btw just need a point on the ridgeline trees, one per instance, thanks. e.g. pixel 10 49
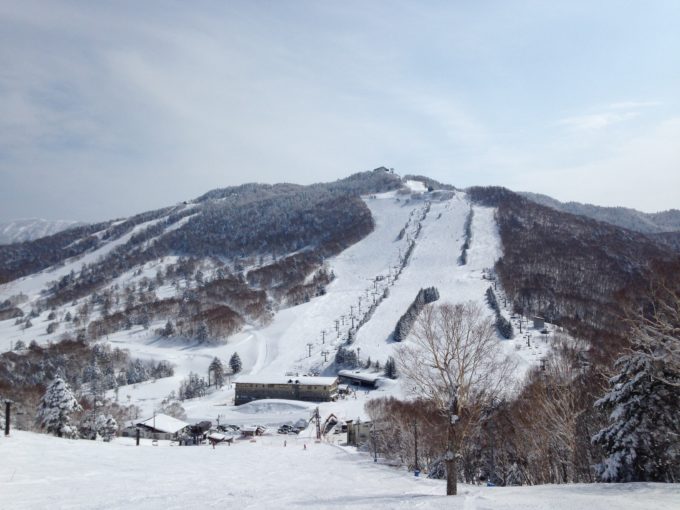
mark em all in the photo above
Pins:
pixel 406 321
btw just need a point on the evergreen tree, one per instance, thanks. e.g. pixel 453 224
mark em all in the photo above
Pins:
pixel 106 426
pixel 193 386
pixel 168 329
pixel 202 333
pixel 235 363
pixel 642 440
pixel 405 323
pixel 346 358
pixel 55 409
pixel 391 368
pixel 217 370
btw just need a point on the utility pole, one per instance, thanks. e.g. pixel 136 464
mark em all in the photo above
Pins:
pixel 8 412
pixel 323 336
pixel 309 347
pixel 318 423
pixel 325 356
pixel 375 446
pixel 416 469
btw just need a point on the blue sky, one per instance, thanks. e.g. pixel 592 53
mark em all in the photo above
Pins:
pixel 110 109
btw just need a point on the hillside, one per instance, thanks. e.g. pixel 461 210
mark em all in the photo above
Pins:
pixel 646 223
pixel 18 231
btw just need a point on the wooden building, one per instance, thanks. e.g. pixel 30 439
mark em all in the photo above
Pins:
pixel 159 426
pixel 356 378
pixel 311 389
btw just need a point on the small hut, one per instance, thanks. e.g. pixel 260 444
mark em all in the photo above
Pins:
pixel 539 322
pixel 162 426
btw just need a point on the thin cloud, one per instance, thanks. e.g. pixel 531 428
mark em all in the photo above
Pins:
pixel 597 121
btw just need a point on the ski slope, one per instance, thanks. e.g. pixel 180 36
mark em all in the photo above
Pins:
pixel 41 472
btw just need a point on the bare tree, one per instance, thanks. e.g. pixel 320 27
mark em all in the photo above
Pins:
pixel 454 362
pixel 655 333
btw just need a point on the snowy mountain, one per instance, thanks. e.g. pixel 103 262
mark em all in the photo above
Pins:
pixel 647 223
pixel 28 229
pixel 311 280
pixel 286 274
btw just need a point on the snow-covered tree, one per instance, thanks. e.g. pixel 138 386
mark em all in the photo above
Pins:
pixel 346 358
pixel 106 426
pixel 217 370
pixel 642 440
pixel 168 329
pixel 235 363
pixel 202 333
pixel 56 408
pixel 193 386
pixel 391 368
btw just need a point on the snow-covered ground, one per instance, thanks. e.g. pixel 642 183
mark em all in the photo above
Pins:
pixel 40 471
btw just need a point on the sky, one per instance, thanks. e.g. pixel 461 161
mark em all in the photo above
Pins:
pixel 112 108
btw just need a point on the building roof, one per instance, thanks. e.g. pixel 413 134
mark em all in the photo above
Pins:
pixel 303 381
pixel 253 428
pixel 360 376
pixel 164 423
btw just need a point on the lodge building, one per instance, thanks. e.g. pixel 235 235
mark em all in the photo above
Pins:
pixel 311 389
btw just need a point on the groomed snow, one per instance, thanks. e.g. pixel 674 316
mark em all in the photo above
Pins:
pixel 40 471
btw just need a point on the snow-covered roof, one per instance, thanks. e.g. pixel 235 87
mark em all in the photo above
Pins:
pixel 164 423
pixel 253 428
pixel 304 380
pixel 360 376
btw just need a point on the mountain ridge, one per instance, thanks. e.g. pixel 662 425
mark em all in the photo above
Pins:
pixel 625 217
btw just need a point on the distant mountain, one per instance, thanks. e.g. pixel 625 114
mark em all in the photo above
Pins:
pixel 18 231
pixel 646 223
